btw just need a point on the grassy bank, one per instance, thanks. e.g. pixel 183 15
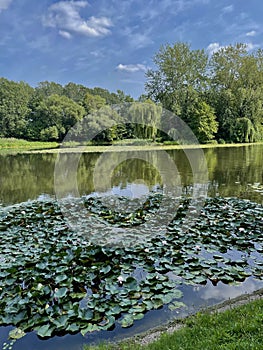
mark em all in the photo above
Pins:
pixel 14 144
pixel 23 146
pixel 238 328
pixel 148 147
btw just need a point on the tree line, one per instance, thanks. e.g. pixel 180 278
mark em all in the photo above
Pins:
pixel 48 111
pixel 220 97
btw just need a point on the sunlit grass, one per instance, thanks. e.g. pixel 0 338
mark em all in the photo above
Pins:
pixel 13 143
pixel 240 328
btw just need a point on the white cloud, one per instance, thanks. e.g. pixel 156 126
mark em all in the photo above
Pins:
pixel 228 9
pixel 213 47
pixel 65 34
pixel 251 33
pixel 131 68
pixel 65 16
pixel 4 4
pixel 251 46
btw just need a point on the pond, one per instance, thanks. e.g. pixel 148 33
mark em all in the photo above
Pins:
pixel 232 172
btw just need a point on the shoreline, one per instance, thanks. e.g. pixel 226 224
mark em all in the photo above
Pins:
pixel 155 333
pixel 121 148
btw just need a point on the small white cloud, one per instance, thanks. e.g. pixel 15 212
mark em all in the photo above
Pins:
pixel 97 53
pixel 251 46
pixel 65 16
pixel 65 34
pixel 4 4
pixel 131 68
pixel 228 9
pixel 213 47
pixel 251 33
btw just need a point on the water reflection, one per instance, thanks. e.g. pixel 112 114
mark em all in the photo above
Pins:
pixel 195 298
pixel 231 170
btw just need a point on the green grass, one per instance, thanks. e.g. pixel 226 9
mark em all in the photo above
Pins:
pixel 240 328
pixel 12 143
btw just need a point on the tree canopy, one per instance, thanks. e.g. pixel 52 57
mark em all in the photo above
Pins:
pixel 223 91
pixel 219 96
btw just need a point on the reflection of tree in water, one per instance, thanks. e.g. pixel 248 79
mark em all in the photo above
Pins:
pixel 233 169
pixel 135 170
pixel 26 176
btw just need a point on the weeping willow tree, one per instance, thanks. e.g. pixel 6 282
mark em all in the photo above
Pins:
pixel 146 119
pixel 244 130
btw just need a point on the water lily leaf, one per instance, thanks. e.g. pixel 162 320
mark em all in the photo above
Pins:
pixel 157 303
pixel 88 329
pixel 60 293
pixel 127 321
pixel 176 305
pixel 72 328
pixel 60 278
pixel 16 333
pixel 105 269
pixel 45 331
pixel 138 316
pixel 200 279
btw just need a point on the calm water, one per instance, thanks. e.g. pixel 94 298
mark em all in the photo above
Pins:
pixel 231 172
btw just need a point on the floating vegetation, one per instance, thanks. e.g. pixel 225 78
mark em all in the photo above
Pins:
pixel 56 280
pixel 256 187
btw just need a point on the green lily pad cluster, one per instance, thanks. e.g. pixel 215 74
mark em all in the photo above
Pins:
pixel 137 216
pixel 54 280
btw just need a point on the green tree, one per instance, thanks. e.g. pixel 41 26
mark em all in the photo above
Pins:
pixel 203 121
pixel 46 89
pixel 75 92
pixel 49 134
pixel 146 118
pixel 101 125
pixel 179 77
pixel 236 89
pixel 53 117
pixel 14 107
pixel 92 103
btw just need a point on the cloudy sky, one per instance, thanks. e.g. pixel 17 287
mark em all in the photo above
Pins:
pixel 110 43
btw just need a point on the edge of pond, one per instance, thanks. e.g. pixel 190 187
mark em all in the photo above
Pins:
pixel 155 333
pixel 120 148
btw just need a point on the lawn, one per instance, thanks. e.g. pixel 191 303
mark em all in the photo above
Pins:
pixel 239 328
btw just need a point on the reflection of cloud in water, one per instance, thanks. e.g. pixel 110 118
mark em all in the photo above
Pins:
pixel 133 190
pixel 224 292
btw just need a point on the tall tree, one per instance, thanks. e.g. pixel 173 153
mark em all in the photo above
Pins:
pixel 180 75
pixel 101 125
pixel 14 107
pixel 236 90
pixel 75 92
pixel 53 117
pixel 93 103
pixel 47 88
pixel 146 118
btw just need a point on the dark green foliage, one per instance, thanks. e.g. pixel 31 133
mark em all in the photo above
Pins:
pixel 53 117
pixel 230 81
pixel 47 112
pixel 14 107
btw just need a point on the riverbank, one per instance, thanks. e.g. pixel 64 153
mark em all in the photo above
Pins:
pixel 22 146
pixel 233 324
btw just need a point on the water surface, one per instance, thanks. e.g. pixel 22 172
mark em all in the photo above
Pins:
pixel 232 172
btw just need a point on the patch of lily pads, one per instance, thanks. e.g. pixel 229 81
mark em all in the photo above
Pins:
pixel 55 280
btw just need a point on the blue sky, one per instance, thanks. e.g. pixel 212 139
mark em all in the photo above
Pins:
pixel 111 43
